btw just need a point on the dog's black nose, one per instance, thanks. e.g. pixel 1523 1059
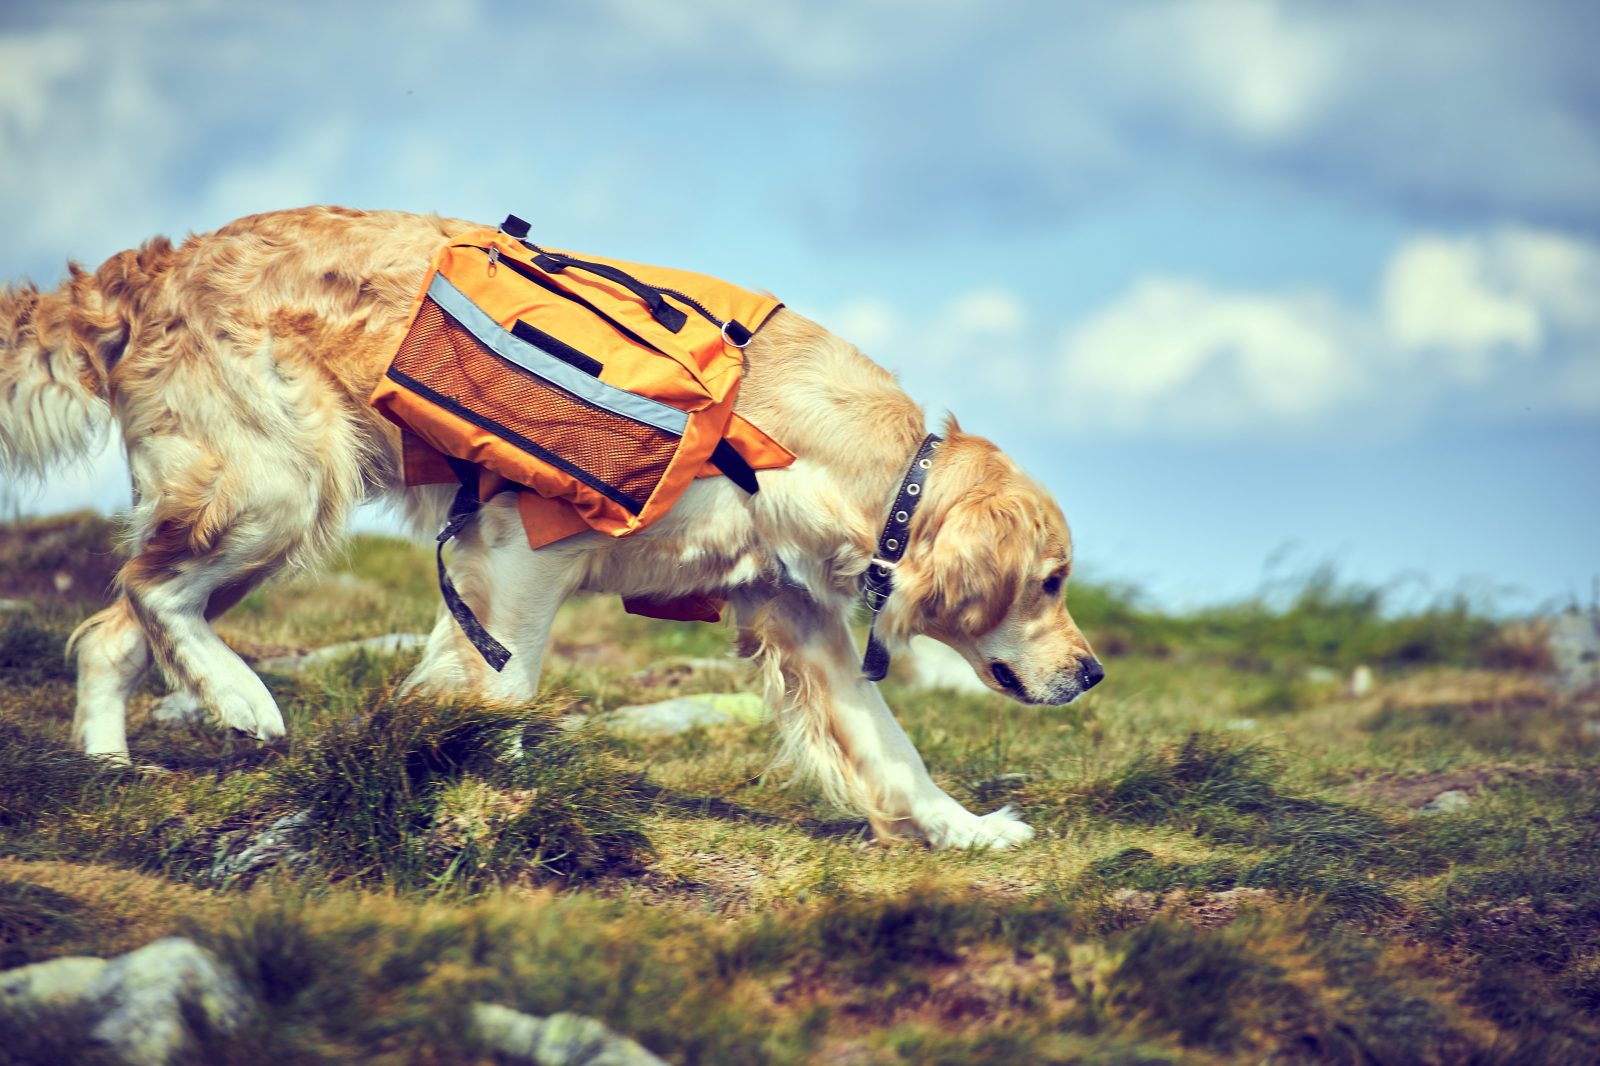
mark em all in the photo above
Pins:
pixel 1090 674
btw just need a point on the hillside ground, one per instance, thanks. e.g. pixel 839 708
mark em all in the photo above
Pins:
pixel 1238 860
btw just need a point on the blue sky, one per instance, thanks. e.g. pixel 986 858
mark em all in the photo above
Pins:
pixel 1251 285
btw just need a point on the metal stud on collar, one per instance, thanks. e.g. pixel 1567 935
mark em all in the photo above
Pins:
pixel 876 583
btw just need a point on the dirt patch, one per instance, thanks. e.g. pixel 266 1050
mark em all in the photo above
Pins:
pixel 983 984
pixel 1204 910
pixel 1414 790
pixel 722 884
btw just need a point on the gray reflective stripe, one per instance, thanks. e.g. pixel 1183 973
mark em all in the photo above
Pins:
pixel 537 361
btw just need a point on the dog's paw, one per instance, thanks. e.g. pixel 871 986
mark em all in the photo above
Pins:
pixel 259 718
pixel 997 831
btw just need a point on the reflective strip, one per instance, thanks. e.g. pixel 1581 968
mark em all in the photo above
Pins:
pixel 537 361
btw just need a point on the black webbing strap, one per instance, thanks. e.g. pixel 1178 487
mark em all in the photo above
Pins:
pixel 877 581
pixel 462 510
pixel 734 467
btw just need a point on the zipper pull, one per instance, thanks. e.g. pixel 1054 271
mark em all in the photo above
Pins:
pixel 494 260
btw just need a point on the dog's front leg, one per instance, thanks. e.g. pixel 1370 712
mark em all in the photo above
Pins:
pixel 837 729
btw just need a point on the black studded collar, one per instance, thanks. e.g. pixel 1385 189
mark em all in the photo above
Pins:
pixel 877 581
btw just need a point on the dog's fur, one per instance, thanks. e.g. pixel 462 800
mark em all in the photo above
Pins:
pixel 238 366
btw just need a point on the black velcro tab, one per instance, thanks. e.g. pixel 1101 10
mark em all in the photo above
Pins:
pixel 734 468
pixel 558 348
pixel 549 264
pixel 668 316
pixel 514 227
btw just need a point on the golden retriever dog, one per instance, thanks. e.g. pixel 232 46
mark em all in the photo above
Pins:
pixel 237 367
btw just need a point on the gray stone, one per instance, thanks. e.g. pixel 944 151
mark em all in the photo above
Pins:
pixel 1321 675
pixel 1575 649
pixel 560 1040
pixel 1447 802
pixel 145 1000
pixel 14 605
pixel 180 708
pixel 59 982
pixel 1362 682
pixel 939 666
pixel 276 845
pixel 388 644
pixel 152 994
pixel 683 713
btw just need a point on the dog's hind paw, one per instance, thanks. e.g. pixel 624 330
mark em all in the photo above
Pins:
pixel 259 718
pixel 997 831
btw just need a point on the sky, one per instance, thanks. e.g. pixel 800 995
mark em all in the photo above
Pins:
pixel 1252 286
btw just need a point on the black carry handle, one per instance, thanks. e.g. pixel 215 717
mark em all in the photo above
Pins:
pixel 663 312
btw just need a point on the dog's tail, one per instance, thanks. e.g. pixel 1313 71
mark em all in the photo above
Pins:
pixel 56 352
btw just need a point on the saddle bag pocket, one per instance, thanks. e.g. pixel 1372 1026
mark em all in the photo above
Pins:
pixel 539 397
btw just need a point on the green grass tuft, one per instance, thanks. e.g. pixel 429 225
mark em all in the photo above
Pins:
pixel 456 796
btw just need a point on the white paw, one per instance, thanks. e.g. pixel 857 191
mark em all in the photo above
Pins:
pixel 109 756
pixel 259 718
pixel 997 830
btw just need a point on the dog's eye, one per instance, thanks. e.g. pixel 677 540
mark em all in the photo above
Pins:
pixel 1052 585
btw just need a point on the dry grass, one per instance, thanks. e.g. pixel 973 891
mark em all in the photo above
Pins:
pixel 1230 866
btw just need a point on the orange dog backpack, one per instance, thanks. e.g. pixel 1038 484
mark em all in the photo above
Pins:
pixel 597 389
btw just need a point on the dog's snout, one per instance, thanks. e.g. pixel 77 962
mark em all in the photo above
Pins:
pixel 1090 674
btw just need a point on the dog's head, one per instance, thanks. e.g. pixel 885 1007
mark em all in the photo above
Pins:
pixel 985 573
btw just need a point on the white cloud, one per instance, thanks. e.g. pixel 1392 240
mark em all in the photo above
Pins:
pixel 1248 65
pixel 1463 325
pixel 1185 355
pixel 1500 319
pixel 1439 296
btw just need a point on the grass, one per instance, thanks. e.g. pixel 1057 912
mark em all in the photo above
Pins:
pixel 1231 862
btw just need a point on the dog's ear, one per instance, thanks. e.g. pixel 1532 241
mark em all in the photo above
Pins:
pixel 963 574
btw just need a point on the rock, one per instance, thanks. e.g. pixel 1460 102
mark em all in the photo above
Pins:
pixel 1361 682
pixel 146 1000
pixel 939 666
pixel 1575 649
pixel 1243 725
pixel 560 1040
pixel 14 605
pixel 152 995
pixel 276 845
pixel 1321 675
pixel 1447 802
pixel 388 644
pixel 59 982
pixel 683 713
pixel 180 708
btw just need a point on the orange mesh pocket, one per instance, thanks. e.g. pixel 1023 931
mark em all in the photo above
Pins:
pixel 621 459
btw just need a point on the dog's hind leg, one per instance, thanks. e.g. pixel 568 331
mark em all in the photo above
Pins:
pixel 112 656
pixel 170 592
pixel 515 592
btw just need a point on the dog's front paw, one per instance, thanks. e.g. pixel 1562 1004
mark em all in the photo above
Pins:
pixel 997 830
